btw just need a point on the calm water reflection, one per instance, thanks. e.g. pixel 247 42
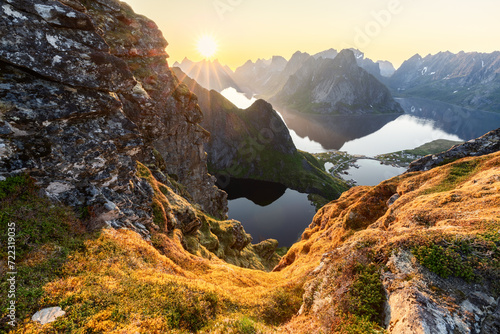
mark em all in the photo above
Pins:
pixel 423 121
pixel 269 210
pixel 371 172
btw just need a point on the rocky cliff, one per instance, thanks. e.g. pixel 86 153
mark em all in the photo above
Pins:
pixel 336 86
pixel 465 79
pixel 255 144
pixel 90 109
pixel 81 103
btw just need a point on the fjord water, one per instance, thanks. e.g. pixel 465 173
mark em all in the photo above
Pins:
pixel 285 216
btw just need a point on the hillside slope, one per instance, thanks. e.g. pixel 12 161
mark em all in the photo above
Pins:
pixel 418 253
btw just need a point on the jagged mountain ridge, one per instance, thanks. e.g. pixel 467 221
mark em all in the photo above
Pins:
pixel 209 74
pixel 336 86
pixel 266 79
pixel 466 79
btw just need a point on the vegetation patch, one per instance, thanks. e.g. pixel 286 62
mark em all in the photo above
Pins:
pixel 366 296
pixel 282 304
pixel 473 258
pixel 459 172
pixel 45 236
pixel 353 324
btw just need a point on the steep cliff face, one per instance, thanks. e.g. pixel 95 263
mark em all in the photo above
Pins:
pixel 336 86
pixel 167 116
pixel 82 98
pixel 466 79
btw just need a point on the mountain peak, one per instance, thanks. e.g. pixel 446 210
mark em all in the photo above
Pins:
pixel 345 58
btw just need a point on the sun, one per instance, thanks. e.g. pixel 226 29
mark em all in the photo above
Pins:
pixel 207 46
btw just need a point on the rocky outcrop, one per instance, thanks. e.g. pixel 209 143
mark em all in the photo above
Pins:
pixel 484 145
pixel 466 79
pixel 48 315
pixel 82 98
pixel 336 86
pixel 167 115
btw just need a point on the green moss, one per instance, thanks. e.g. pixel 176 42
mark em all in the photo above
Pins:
pixel 45 235
pixel 475 258
pixel 352 324
pixel 282 304
pixel 245 325
pixel 366 297
pixel 458 173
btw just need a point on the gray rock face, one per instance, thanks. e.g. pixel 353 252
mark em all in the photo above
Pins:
pixel 168 117
pixel 487 144
pixel 336 86
pixel 85 92
pixel 413 307
pixel 59 34
pixel 48 315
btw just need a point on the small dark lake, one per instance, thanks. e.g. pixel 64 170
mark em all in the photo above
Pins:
pixel 269 210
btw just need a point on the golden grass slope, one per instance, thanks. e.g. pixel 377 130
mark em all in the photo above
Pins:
pixel 116 282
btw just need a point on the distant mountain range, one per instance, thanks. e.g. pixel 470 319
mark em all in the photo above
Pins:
pixel 465 79
pixel 469 80
pixel 266 78
pixel 337 86
pixel 209 74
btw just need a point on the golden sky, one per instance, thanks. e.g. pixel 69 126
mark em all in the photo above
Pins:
pixel 391 30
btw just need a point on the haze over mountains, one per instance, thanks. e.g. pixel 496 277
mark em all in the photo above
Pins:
pixel 321 83
pixel 465 79
pixel 209 74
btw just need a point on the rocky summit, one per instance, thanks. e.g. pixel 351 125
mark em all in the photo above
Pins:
pixel 336 86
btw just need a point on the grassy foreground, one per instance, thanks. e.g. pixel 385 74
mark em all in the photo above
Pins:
pixel 113 281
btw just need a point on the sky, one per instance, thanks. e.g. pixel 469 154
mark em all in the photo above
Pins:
pixel 391 30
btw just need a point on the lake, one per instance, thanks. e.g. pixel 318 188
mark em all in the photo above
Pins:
pixel 271 211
